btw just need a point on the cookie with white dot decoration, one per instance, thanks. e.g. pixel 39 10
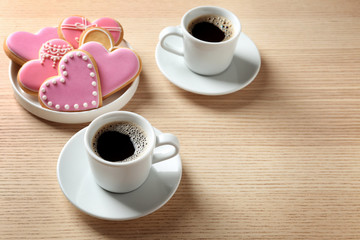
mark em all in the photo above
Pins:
pixel 34 72
pixel 77 86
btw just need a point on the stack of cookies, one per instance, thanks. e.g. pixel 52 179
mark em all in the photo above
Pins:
pixel 75 66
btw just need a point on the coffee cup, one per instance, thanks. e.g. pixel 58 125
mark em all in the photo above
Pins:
pixel 204 49
pixel 115 164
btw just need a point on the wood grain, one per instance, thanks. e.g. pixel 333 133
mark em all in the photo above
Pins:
pixel 276 160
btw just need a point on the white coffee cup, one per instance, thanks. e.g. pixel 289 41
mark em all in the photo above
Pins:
pixel 206 58
pixel 125 176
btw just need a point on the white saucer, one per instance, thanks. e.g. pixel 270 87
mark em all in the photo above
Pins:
pixel 241 72
pixel 31 104
pixel 80 188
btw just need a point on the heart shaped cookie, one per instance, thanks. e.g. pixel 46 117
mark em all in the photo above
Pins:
pixel 116 69
pixel 97 34
pixel 24 46
pixel 71 28
pixel 34 72
pixel 76 88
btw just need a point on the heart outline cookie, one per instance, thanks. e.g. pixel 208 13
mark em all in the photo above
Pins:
pixel 77 86
pixel 117 68
pixel 97 34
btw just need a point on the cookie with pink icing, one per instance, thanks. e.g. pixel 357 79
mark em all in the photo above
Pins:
pixel 117 68
pixel 72 27
pixel 24 46
pixel 34 72
pixel 76 88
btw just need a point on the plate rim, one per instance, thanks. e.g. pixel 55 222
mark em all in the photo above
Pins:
pixel 70 117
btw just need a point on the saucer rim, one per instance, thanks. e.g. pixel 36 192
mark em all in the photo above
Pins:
pixel 161 204
pixel 192 90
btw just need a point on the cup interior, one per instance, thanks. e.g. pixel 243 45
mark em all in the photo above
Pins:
pixel 210 10
pixel 119 116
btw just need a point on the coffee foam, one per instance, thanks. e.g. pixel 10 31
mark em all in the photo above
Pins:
pixel 136 134
pixel 222 23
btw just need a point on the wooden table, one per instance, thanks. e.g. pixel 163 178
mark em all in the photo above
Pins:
pixel 279 159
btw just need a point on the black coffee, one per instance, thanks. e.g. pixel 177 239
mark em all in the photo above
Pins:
pixel 211 28
pixel 119 141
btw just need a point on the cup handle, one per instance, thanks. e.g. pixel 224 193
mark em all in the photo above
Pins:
pixel 168 31
pixel 166 139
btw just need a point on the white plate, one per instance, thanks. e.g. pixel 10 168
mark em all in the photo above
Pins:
pixel 241 72
pixel 80 188
pixel 31 104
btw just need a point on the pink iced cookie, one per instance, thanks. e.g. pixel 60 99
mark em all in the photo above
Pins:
pixel 76 88
pixel 24 46
pixel 71 28
pixel 116 69
pixel 33 73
